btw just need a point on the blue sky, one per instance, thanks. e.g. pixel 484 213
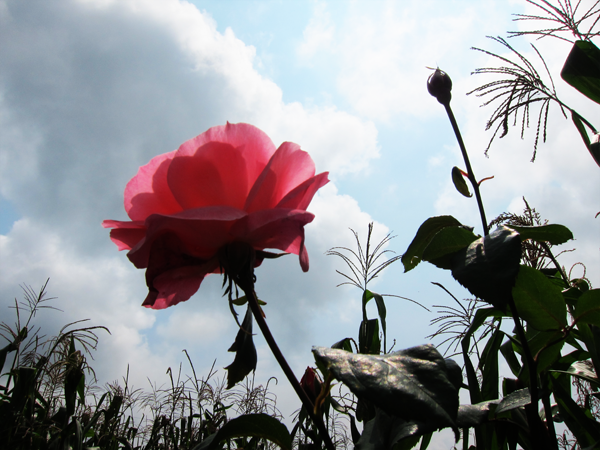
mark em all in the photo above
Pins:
pixel 92 89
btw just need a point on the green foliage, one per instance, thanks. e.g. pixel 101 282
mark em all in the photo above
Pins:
pixel 47 400
pixel 582 69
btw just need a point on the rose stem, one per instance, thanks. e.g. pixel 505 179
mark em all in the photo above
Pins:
pixel 262 324
pixel 536 424
pixel 472 178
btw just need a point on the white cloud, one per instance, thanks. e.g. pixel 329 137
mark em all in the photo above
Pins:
pixel 318 34
pixel 89 91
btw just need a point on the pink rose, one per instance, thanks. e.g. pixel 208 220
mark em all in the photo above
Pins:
pixel 229 184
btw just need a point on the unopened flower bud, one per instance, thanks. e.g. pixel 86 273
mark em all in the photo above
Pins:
pixel 311 383
pixel 439 85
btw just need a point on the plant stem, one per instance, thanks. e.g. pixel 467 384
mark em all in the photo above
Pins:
pixel 308 405
pixel 536 427
pixel 472 178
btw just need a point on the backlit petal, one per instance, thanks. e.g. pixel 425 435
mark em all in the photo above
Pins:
pixel 148 192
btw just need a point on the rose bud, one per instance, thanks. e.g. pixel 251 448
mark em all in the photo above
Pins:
pixel 439 85
pixel 311 383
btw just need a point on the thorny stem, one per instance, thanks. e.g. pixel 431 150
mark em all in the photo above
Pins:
pixel 308 405
pixel 472 178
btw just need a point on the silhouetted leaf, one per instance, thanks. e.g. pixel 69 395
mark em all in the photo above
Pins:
pixel 442 248
pixel 385 432
pixel 459 182
pixel 583 370
pixel 428 229
pixel 245 353
pixel 593 144
pixel 344 344
pixel 368 337
pixel 489 265
pixel 414 384
pixel 514 400
pixel 254 425
pixel 381 310
pixel 554 234
pixel 587 308
pixel 473 415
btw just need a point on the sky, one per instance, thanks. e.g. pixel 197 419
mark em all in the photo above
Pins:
pixel 90 90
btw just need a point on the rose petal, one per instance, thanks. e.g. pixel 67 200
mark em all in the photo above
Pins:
pixel 177 285
pixel 125 234
pixel 288 167
pixel 282 229
pixel 302 195
pixel 148 192
pixel 202 232
pixel 219 166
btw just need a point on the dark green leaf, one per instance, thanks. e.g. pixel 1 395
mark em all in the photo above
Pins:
pixel 508 351
pixel 245 353
pixel 480 316
pixel 381 310
pixel 587 308
pixel 459 182
pixel 546 345
pixel 473 415
pixel 488 364
pixel 489 265
pixel 425 234
pixel 539 302
pixel 516 399
pixel 583 370
pixel 254 425
pixel 368 337
pixel 413 384
pixel 5 351
pixel 582 69
pixel 385 432
pixel 454 373
pixel 554 234
pixel 592 145
pixel 579 420
pixel 344 344
pixel 445 244
pixel 25 380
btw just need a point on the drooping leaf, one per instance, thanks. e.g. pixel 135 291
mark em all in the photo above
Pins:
pixel 440 251
pixel 459 182
pixel 344 344
pixel 539 302
pixel 413 384
pixel 554 234
pixel 582 69
pixel 245 358
pixel 381 310
pixel 593 144
pixel 587 308
pixel 583 370
pixel 489 265
pixel 254 425
pixel 428 229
